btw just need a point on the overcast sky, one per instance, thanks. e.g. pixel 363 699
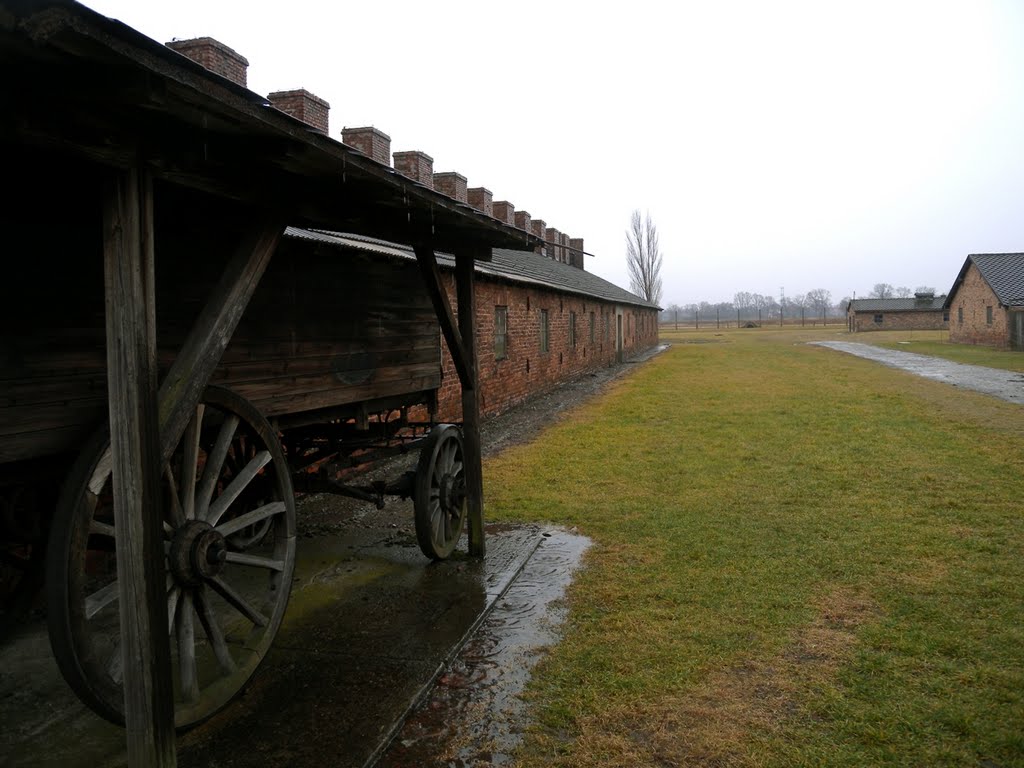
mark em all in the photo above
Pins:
pixel 777 145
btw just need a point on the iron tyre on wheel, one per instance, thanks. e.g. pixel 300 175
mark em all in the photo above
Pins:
pixel 440 495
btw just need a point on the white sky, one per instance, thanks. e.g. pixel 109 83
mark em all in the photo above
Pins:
pixel 781 144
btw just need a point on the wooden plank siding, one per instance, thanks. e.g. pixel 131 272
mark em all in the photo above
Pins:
pixel 325 327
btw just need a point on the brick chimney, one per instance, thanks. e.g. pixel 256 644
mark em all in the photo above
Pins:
pixel 452 184
pixel 370 141
pixel 539 227
pixel 304 106
pixel 523 220
pixel 566 255
pixel 418 166
pixel 504 212
pixel 554 240
pixel 215 56
pixel 576 254
pixel 480 198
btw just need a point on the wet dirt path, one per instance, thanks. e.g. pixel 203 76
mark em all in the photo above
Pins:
pixel 1006 385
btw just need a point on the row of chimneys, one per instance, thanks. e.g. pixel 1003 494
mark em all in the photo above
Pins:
pixel 418 166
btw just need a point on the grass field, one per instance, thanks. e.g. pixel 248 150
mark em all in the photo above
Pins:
pixel 801 558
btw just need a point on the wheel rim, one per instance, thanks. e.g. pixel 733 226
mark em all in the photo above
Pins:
pixel 229 542
pixel 440 498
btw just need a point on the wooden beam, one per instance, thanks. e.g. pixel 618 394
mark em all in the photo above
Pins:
pixel 209 337
pixel 445 316
pixel 464 279
pixel 135 442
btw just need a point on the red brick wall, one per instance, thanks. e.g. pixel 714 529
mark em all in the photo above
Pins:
pixel 527 371
pixel 902 320
pixel 371 141
pixel 972 297
pixel 215 56
pixel 304 106
pixel 481 199
pixel 523 220
pixel 451 184
pixel 417 165
pixel 553 238
pixel 504 212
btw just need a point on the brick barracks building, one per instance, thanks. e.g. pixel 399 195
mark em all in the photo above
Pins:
pixel 541 317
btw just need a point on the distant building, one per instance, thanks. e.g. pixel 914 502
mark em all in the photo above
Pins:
pixel 924 312
pixel 986 302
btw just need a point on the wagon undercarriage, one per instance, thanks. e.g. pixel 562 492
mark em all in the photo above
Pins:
pixel 229 548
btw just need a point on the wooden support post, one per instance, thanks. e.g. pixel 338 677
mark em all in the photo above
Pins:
pixel 135 442
pixel 209 337
pixel 464 274
pixel 443 309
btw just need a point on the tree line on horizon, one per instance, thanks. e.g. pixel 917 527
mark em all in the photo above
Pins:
pixel 644 260
pixel 814 306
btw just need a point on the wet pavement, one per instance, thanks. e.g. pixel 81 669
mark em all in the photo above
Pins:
pixel 474 715
pixel 373 630
pixel 1006 385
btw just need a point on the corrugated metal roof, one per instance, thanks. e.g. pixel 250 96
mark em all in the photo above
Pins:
pixel 1004 272
pixel 516 266
pixel 898 305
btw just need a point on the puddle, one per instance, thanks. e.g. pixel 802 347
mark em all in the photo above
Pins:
pixel 475 714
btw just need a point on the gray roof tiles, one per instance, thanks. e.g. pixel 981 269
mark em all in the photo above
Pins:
pixel 898 305
pixel 1004 272
pixel 516 266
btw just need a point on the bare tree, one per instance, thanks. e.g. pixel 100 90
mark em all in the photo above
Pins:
pixel 643 257
pixel 925 289
pixel 882 291
pixel 820 299
pixel 903 292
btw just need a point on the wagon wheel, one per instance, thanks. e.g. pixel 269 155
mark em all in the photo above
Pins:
pixel 223 606
pixel 243 451
pixel 440 497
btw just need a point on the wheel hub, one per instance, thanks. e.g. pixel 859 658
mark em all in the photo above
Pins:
pixel 452 492
pixel 197 553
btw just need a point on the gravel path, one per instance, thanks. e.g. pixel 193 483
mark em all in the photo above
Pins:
pixel 1006 385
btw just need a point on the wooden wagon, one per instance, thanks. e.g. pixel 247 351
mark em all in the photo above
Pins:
pixel 169 359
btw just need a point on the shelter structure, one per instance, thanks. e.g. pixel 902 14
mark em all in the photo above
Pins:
pixel 118 146
pixel 924 312
pixel 986 302
pixel 540 320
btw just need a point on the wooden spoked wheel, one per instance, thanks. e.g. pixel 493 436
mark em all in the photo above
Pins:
pixel 440 492
pixel 229 543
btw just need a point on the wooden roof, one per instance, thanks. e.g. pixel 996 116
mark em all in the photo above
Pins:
pixel 77 82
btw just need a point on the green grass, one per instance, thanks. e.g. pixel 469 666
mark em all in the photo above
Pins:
pixel 801 558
